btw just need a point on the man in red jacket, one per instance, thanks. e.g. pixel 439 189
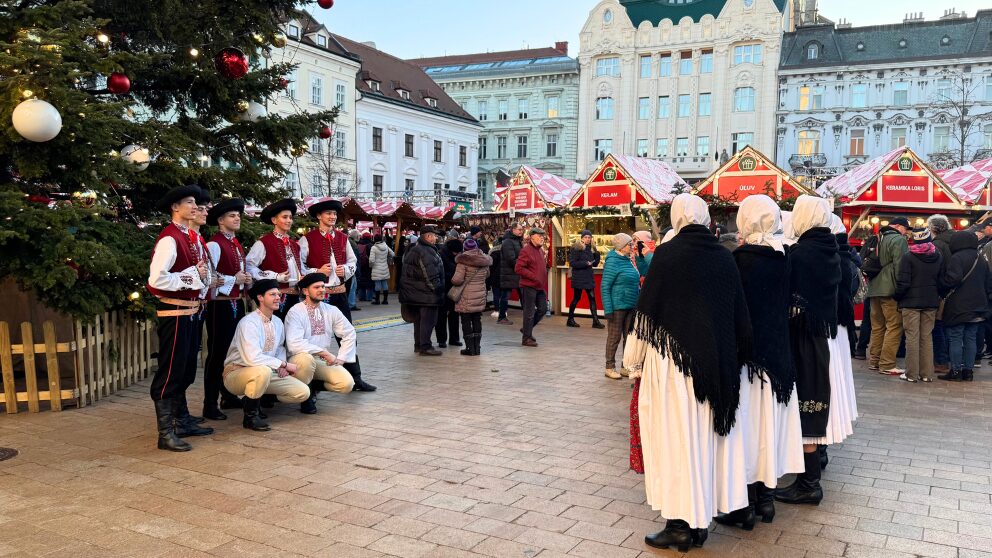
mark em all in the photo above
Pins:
pixel 532 267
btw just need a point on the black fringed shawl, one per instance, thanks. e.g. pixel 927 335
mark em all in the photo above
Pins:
pixel 692 310
pixel 815 276
pixel 765 276
pixel 848 283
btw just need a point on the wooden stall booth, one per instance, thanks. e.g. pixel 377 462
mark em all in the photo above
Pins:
pixel 748 173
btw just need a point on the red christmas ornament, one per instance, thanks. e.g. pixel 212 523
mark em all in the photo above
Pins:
pixel 35 198
pixel 283 83
pixel 231 63
pixel 326 4
pixel 118 83
pixel 326 132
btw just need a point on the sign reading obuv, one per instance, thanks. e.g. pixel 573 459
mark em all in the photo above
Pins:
pixel 912 189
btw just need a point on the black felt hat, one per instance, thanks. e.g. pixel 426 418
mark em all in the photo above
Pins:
pixel 428 229
pixel 310 279
pixel 276 208
pixel 327 205
pixel 224 207
pixel 177 194
pixel 261 287
pixel 203 198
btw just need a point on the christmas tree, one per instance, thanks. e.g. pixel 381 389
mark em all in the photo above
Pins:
pixel 108 104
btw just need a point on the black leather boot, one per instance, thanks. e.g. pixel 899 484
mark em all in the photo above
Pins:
pixel 824 458
pixel 252 421
pixel 385 297
pixel 968 375
pixel 806 489
pixel 744 516
pixel 186 424
pixel 375 301
pixel 230 402
pixel 699 537
pixel 213 412
pixel 309 407
pixel 676 533
pixel 186 414
pixel 571 323
pixel 764 505
pixel 477 345
pixel 167 439
pixel 953 376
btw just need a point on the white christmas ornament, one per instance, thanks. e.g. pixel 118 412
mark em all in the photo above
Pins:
pixel 254 112
pixel 138 155
pixel 36 120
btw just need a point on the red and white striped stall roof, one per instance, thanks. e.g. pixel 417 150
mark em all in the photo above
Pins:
pixel 549 190
pixel 970 182
pixel 657 178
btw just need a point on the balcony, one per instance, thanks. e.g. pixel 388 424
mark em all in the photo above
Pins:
pixel 813 160
pixel 689 164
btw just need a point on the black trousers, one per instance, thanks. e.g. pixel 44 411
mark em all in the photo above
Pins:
pixel 178 347
pixel 447 322
pixel 535 306
pixel 222 320
pixel 576 295
pixel 471 324
pixel 864 334
pixel 340 301
pixel 423 326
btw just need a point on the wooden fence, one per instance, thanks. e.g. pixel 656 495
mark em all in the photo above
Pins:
pixel 107 355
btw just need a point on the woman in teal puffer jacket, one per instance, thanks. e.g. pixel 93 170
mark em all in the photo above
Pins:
pixel 620 287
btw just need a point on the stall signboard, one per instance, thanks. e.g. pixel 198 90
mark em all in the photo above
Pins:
pixel 532 188
pixel 748 173
pixel 622 180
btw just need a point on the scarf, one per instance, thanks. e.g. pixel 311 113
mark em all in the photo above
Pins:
pixel 845 296
pixel 759 221
pixel 923 248
pixel 698 318
pixel 815 275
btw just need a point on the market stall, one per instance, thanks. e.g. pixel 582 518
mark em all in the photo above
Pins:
pixel 748 173
pixel 532 188
pixel 971 182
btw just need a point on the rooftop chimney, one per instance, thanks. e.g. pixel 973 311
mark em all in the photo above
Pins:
pixel 914 17
pixel 370 44
pixel 953 14
pixel 844 24
pixel 562 47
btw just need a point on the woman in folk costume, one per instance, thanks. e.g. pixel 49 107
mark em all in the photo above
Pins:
pixel 769 412
pixel 690 337
pixel 815 276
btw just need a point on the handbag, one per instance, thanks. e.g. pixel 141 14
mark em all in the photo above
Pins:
pixel 455 293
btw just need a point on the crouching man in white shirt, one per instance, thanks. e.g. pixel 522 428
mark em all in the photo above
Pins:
pixel 256 362
pixel 311 329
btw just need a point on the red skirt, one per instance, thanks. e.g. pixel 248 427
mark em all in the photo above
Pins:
pixel 636 457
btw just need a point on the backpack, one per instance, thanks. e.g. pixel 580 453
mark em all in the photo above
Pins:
pixel 871 265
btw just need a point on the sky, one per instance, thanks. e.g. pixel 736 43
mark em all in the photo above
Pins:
pixel 416 28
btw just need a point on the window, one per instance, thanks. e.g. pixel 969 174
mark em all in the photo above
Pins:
pixel 664 107
pixel 342 185
pixel 437 151
pixel 747 54
pixel 685 63
pixel 941 138
pixel 340 95
pixel 408 145
pixel 898 137
pixel 608 67
pixel 483 111
pixel 661 147
pixel 943 89
pixel 706 62
pixel 317 146
pixel 523 107
pixel 703 146
pixel 437 191
pixel 404 94
pixel 483 148
pixel 646 66
pixel 988 136
pixel 409 186
pixel 604 108
pixel 685 106
pixel 377 139
pixel 665 65
pixel 744 99
pixel 321 41
pixel 900 93
pixel 812 51
pixel 681 147
pixel 521 147
pixel 501 147
pixel 551 145
pixel 293 30
pixel 643 108
pixel 377 185
pixel 601 148
pixel 374 85
pixel 740 140
pixel 704 104
pixel 608 16
pixel 502 108
pixel 317 185
pixel 292 180
pixel 859 95
pixel 291 87
pixel 642 148
pixel 316 90
pixel 857 147
pixel 811 98
pixel 462 156
pixel 809 142
pixel 340 143
pixel 553 103
pixel 988 88
pixel 431 102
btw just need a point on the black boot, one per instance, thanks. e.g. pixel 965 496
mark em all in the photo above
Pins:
pixel 676 533
pixel 467 351
pixel 477 345
pixel 385 297
pixel 571 322
pixel 968 375
pixel 232 402
pixel 252 421
pixel 806 489
pixel 824 458
pixel 375 302
pixel 699 537
pixel 362 385
pixel 764 505
pixel 953 376
pixel 213 412
pixel 186 414
pixel 268 401
pixel 167 439
pixel 309 407
pixel 744 516
pixel 596 324
pixel 186 424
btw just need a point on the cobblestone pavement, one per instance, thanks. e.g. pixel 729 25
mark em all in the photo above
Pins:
pixel 518 453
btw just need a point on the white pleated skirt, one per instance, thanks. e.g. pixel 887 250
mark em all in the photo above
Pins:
pixel 843 412
pixel 690 472
pixel 773 435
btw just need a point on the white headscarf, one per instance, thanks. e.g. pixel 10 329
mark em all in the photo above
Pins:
pixel 837 224
pixel 810 212
pixel 759 220
pixel 689 209
pixel 785 233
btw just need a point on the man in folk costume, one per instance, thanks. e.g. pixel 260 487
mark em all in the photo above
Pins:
pixel 226 306
pixel 691 335
pixel 815 275
pixel 179 277
pixel 256 363
pixel 195 224
pixel 769 412
pixel 327 250
pixel 276 255
pixel 311 327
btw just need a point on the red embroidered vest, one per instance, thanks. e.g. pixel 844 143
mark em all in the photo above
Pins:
pixel 231 260
pixel 186 257
pixel 275 255
pixel 320 249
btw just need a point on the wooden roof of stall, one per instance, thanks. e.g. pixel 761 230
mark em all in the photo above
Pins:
pixel 624 179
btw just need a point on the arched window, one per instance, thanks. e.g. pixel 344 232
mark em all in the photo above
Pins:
pixel 812 51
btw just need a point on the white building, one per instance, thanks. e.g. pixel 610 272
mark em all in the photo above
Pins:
pixel 679 80
pixel 849 94
pixel 413 141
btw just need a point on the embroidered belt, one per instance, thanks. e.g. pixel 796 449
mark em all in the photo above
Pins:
pixel 289 291
pixel 338 289
pixel 226 298
pixel 190 307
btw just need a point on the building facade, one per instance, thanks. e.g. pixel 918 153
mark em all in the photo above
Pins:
pixel 527 102
pixel 849 94
pixel 679 80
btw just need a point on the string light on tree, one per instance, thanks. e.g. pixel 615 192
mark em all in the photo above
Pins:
pixel 36 120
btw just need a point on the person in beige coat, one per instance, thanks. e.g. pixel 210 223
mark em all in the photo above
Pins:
pixel 471 271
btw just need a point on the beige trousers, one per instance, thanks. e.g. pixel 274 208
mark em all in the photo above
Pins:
pixel 918 325
pixel 335 378
pixel 255 381
pixel 886 332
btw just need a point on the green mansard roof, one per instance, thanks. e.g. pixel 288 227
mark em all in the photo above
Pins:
pixel 654 11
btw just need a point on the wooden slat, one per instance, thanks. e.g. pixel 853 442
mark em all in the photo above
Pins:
pixel 82 386
pixel 101 324
pixel 41 348
pixel 30 372
pixel 7 365
pixel 52 364
pixel 43 395
pixel 91 365
pixel 113 343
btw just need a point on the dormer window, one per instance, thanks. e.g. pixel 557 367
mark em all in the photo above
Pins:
pixel 945 40
pixel 903 43
pixel 431 102
pixel 321 41
pixel 404 94
pixel 812 51
pixel 373 85
pixel 293 30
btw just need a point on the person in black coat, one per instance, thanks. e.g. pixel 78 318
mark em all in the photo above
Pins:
pixel 513 243
pixel 583 257
pixel 446 327
pixel 940 228
pixel 499 293
pixel 422 289
pixel 917 284
pixel 967 284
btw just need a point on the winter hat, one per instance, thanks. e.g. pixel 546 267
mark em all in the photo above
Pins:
pixel 585 232
pixel 474 229
pixel 470 244
pixel 901 221
pixel 621 239
pixel 921 236
pixel 537 230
